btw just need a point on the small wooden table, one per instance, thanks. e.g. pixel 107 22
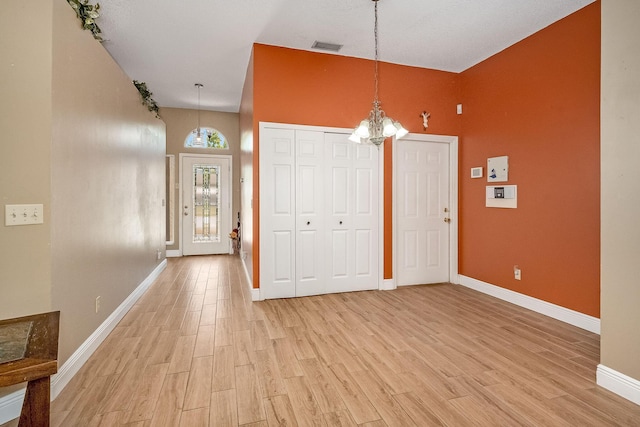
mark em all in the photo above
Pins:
pixel 29 353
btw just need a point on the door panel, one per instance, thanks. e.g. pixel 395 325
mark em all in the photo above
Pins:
pixel 309 192
pixel 422 208
pixel 352 215
pixel 206 205
pixel 277 213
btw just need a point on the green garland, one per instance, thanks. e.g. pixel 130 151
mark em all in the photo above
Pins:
pixel 146 97
pixel 88 14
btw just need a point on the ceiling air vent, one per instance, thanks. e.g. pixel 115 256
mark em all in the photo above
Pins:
pixel 326 46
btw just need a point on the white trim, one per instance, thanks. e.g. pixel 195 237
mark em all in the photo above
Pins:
pixel 263 125
pixel 173 253
pixel 575 318
pixel 452 141
pixel 619 383
pixel 388 285
pixel 11 404
pixel 255 293
pixel 381 279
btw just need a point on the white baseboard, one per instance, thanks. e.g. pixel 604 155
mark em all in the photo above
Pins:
pixel 255 293
pixel 575 318
pixel 11 404
pixel 618 383
pixel 174 253
pixel 388 285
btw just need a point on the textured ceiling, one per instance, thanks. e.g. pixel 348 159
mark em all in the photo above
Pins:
pixel 171 45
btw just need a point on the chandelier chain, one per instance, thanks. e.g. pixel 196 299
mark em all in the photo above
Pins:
pixel 377 126
pixel 198 85
pixel 375 38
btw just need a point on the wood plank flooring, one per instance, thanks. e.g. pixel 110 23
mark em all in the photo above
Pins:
pixel 195 351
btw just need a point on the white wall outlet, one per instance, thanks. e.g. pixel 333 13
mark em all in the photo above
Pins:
pixel 23 214
pixel 159 255
pixel 97 304
pixel 517 273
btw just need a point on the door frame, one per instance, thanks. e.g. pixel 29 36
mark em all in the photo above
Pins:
pixel 180 183
pixel 452 142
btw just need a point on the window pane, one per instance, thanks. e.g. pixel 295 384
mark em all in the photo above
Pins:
pixel 211 138
pixel 206 221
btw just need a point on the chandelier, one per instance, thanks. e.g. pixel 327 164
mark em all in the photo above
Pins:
pixel 377 126
pixel 200 134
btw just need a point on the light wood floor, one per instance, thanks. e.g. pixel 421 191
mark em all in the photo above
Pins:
pixel 195 351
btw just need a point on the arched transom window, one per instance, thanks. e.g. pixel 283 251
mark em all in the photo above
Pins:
pixel 205 137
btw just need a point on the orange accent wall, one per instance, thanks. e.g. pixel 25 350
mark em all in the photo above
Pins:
pixel 301 87
pixel 537 102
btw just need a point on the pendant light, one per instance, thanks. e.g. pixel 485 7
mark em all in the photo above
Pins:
pixel 377 126
pixel 200 135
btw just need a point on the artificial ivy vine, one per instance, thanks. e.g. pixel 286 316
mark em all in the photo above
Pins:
pixel 88 13
pixel 146 97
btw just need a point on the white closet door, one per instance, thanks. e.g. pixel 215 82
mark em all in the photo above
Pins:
pixel 310 277
pixel 277 213
pixel 351 202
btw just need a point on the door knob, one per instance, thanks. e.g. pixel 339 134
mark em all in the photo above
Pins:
pixel 447 220
pixel 308 222
pixel 340 222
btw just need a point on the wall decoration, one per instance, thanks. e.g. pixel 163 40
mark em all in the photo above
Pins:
pixel 146 97
pixel 498 169
pixel 88 13
pixel 425 119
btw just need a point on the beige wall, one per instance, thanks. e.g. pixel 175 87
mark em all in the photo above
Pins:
pixel 25 138
pixel 107 183
pixel 246 168
pixel 180 122
pixel 620 195
pixel 75 138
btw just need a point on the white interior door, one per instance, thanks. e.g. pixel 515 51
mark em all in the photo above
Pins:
pixel 351 202
pixel 206 205
pixel 423 212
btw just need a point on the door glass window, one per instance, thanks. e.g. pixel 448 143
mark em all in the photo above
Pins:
pixel 206 220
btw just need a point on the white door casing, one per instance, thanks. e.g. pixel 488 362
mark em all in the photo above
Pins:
pixel 216 241
pixel 425 210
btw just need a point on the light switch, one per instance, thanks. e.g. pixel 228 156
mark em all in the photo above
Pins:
pixel 23 214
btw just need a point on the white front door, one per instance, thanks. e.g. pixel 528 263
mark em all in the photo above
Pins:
pixel 206 204
pixel 423 210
